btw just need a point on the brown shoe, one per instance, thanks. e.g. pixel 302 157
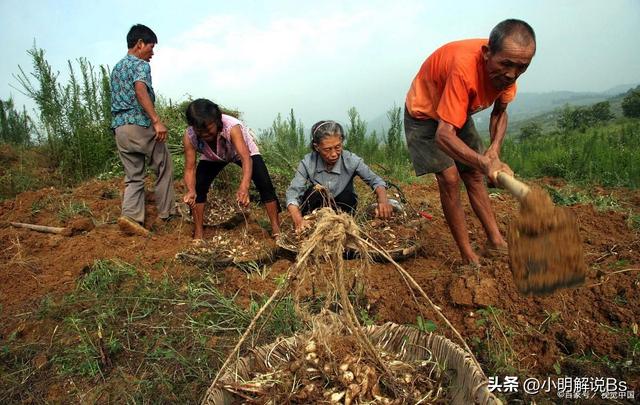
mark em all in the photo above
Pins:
pixel 131 227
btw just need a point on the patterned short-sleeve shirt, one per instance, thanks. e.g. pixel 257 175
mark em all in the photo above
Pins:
pixel 125 108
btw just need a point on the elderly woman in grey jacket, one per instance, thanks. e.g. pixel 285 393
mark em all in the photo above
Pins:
pixel 333 168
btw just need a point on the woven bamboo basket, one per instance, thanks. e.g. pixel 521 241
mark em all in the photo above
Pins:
pixel 469 384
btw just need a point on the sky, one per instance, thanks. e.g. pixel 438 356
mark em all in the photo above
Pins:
pixel 317 58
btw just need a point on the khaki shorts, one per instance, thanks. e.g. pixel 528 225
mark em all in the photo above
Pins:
pixel 426 155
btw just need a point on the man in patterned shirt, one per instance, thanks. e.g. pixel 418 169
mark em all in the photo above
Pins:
pixel 139 132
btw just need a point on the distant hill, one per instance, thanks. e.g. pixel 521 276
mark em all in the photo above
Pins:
pixel 540 107
pixel 528 105
pixel 547 118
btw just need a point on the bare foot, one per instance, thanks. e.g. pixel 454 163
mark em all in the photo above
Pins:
pixel 471 258
pixel 495 250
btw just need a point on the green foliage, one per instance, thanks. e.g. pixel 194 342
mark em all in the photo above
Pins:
pixel 425 325
pixel 606 154
pixel 69 209
pixel 105 275
pixel 365 318
pixel 631 104
pixel 358 141
pixel 82 358
pixel 15 127
pixel 168 336
pixel 568 196
pixel 395 149
pixel 581 118
pixel 283 146
pixel 23 168
pixel 531 130
pixel 16 180
pixel 356 132
pixel 633 221
pixel 173 116
pixel 75 117
pixel 285 141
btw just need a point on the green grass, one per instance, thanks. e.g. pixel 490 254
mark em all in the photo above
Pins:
pixel 425 325
pixel 606 154
pixel 570 195
pixel 495 349
pixel 633 220
pixel 167 336
pixel 105 275
pixel 69 209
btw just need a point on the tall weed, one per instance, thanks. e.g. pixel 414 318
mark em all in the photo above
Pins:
pixel 74 117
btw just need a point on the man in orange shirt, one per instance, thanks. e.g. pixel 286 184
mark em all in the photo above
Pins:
pixel 456 81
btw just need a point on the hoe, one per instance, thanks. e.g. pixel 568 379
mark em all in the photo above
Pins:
pixel 545 248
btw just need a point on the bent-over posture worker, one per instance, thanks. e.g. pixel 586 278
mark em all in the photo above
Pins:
pixel 456 81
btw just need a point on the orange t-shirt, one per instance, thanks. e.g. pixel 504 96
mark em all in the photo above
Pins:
pixel 452 84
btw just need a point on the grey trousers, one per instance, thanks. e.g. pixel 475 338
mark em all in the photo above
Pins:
pixel 135 145
pixel 426 155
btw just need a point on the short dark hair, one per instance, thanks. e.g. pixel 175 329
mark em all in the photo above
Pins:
pixel 202 112
pixel 323 129
pixel 141 32
pixel 522 32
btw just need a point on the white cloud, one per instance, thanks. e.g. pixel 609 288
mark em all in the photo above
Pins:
pixel 233 53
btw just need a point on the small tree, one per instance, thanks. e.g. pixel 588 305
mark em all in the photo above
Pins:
pixel 285 140
pixel 356 132
pixel 581 118
pixel 601 112
pixel 15 127
pixel 394 134
pixel 631 104
pixel 530 130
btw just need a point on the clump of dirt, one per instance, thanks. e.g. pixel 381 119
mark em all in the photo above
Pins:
pixel 545 248
pixel 80 225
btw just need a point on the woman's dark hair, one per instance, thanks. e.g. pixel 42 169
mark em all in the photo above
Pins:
pixel 202 112
pixel 521 32
pixel 322 129
pixel 141 32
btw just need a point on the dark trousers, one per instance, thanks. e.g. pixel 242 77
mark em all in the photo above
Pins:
pixel 206 172
pixel 346 201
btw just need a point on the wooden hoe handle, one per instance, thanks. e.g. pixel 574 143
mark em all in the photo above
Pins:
pixel 515 187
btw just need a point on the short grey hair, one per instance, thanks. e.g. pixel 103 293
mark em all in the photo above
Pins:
pixel 323 129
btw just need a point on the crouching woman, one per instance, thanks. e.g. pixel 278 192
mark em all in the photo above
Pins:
pixel 220 139
pixel 334 169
